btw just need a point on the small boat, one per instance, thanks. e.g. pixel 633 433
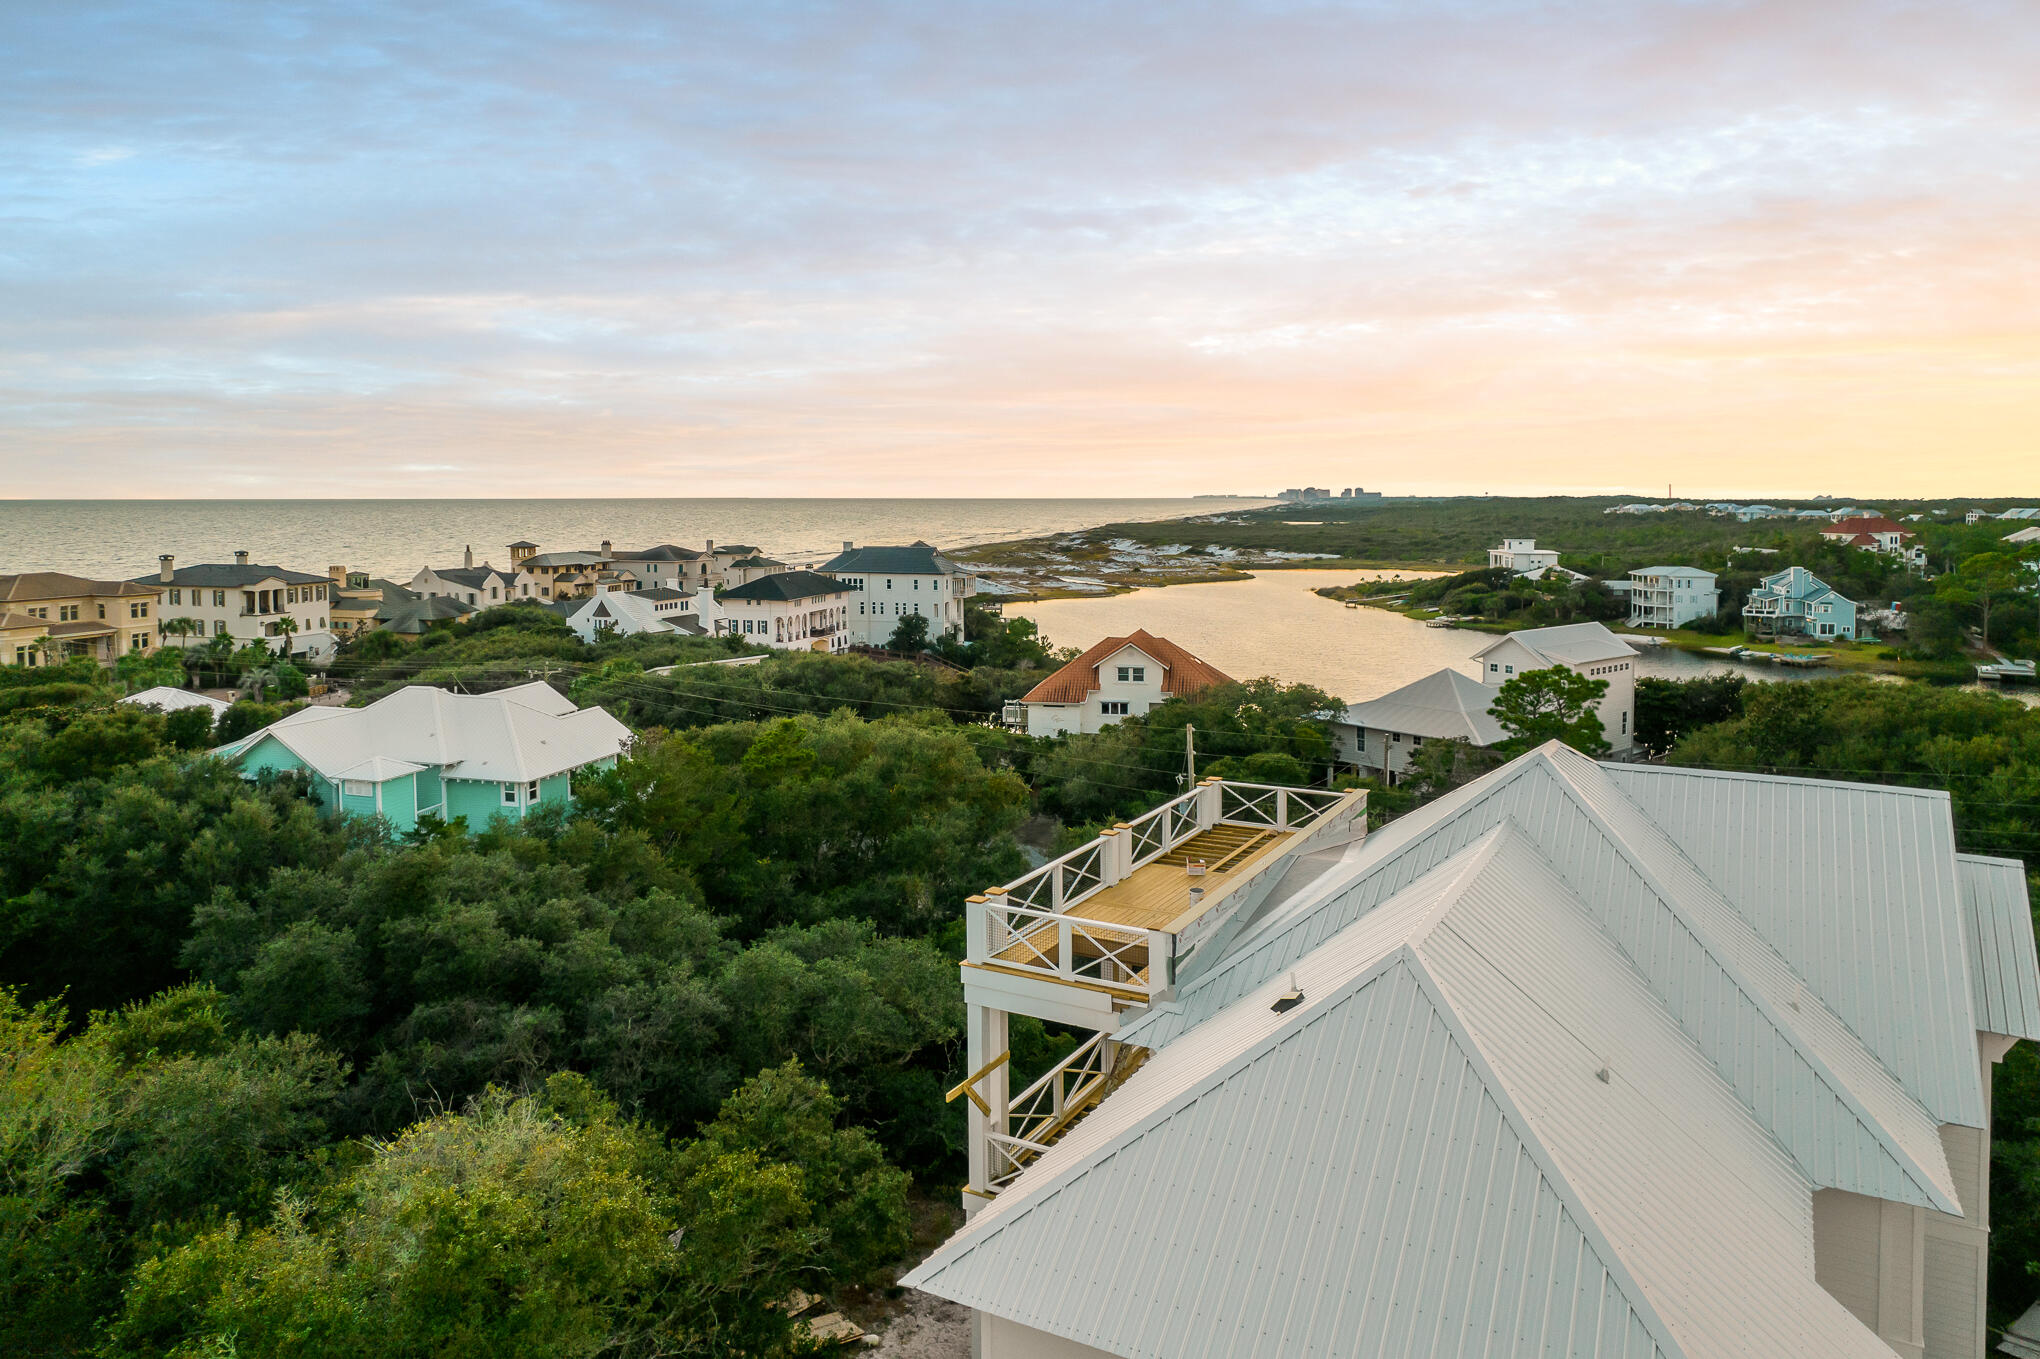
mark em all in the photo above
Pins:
pixel 2002 669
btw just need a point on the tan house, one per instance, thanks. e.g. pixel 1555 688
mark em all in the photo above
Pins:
pixel 47 617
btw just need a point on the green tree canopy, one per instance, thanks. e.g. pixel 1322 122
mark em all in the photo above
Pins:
pixel 1554 704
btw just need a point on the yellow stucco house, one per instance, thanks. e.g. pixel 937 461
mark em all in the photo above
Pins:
pixel 47 617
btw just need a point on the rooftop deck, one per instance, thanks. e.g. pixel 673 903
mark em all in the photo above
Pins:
pixel 1154 888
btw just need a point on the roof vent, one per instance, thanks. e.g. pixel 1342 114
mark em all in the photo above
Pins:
pixel 1289 999
pixel 1603 1075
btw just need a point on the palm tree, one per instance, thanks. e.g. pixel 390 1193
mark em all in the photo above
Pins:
pixel 180 627
pixel 284 627
pixel 258 679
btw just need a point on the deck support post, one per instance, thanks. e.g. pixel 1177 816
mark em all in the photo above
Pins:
pixel 1210 804
pixel 1115 861
pixel 985 1038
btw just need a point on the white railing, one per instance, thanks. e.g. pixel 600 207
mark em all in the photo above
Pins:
pixel 1277 808
pixel 1045 1108
pixel 1061 883
pixel 1070 948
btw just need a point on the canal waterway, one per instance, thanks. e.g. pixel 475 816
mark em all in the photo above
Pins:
pixel 1274 624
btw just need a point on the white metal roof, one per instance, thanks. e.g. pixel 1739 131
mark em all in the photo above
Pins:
pixel 1795 1063
pixel 1686 572
pixel 511 736
pixel 2004 978
pixel 1424 1158
pixel 1444 704
pixel 170 700
pixel 1567 644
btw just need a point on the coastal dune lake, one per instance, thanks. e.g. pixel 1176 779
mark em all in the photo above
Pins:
pixel 1274 625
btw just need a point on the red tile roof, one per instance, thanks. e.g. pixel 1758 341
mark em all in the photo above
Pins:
pixel 1863 523
pixel 1182 673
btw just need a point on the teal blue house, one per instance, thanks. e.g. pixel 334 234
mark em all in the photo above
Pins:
pixel 424 751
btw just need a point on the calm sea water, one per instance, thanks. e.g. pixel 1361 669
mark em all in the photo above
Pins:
pixel 1274 625
pixel 122 538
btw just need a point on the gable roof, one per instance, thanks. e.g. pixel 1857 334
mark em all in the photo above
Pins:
pixel 1182 673
pixel 511 736
pixel 784 586
pixel 1568 644
pixel 757 561
pixel 915 559
pixel 636 609
pixel 1444 704
pixel 1481 1133
pixel 2000 935
pixel 168 699
pixel 29 586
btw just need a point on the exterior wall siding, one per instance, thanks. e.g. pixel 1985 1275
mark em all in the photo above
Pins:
pixel 998 1338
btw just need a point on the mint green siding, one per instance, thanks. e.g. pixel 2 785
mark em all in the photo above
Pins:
pixel 268 755
pixel 555 789
pixel 475 800
pixel 400 802
pixel 360 804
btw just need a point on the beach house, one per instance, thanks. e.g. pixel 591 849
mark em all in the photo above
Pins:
pixel 1380 736
pixel 1522 556
pixel 893 582
pixel 288 611
pixel 1562 1063
pixel 626 613
pixel 1119 677
pixel 1585 649
pixel 424 751
pixel 1796 603
pixel 48 617
pixel 483 586
pixel 788 610
pixel 1671 596
pixel 1876 533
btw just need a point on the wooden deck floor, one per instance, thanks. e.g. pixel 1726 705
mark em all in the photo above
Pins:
pixel 1156 895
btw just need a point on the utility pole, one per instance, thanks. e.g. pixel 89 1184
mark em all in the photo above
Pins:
pixel 1189 756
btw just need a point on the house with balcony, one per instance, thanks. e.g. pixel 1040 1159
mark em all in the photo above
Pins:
pixel 425 751
pixel 1587 649
pixel 1671 596
pixel 789 611
pixel 290 612
pixel 668 566
pixel 1796 603
pixel 893 582
pixel 1523 557
pixel 1563 1062
pixel 1381 736
pixel 1120 677
pixel 49 617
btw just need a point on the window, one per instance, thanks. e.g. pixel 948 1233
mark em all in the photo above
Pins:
pixel 219 627
pixel 138 610
pixel 138 641
pixel 357 788
pixel 509 795
pixel 219 599
pixel 177 597
pixel 290 595
pixel 1494 668
pixel 531 791
pixel 67 613
pixel 1113 708
pixel 1509 669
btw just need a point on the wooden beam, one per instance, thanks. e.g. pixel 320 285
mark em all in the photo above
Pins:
pixel 969 1085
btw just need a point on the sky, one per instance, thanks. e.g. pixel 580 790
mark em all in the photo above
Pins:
pixel 1768 247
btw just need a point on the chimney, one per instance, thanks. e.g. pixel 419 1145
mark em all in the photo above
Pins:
pixel 467 558
pixel 337 574
pixel 241 557
pixel 847 545
pixel 166 568
pixel 605 547
pixel 710 545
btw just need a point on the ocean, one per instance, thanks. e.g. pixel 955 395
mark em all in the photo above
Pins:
pixel 118 539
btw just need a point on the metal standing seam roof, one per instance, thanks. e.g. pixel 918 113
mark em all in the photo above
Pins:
pixel 1425 1154
pixel 1568 644
pixel 1798 1068
pixel 511 736
pixel 1446 704
pixel 2004 976
pixel 168 700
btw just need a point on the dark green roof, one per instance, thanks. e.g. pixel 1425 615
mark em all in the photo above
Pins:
pixel 917 559
pixel 789 585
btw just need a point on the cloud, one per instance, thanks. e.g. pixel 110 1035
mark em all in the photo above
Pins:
pixel 1101 249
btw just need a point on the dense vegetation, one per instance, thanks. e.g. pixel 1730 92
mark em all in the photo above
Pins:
pixel 610 1081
